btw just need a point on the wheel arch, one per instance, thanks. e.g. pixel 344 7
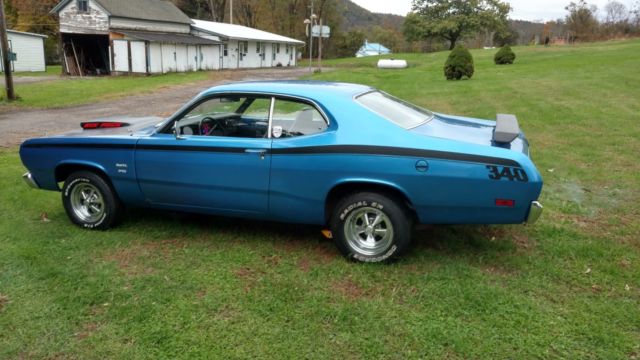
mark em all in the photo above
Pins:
pixel 347 187
pixel 65 169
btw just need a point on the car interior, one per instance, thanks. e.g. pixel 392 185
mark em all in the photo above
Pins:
pixel 248 117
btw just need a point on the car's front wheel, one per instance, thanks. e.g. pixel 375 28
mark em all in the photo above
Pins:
pixel 371 227
pixel 90 201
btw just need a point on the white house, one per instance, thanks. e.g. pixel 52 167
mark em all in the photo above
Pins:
pixel 29 50
pixel 130 36
pixel 154 36
pixel 245 47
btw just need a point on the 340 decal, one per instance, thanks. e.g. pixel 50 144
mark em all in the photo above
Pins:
pixel 512 174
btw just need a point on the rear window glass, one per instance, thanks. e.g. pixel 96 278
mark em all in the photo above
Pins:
pixel 395 110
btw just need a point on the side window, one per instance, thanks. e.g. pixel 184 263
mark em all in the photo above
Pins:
pixel 225 49
pixel 228 116
pixel 293 118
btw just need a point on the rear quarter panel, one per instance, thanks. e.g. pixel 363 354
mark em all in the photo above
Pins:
pixel 111 156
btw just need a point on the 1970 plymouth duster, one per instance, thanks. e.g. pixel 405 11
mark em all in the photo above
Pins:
pixel 361 161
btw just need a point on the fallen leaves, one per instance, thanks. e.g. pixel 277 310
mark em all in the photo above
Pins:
pixel 4 300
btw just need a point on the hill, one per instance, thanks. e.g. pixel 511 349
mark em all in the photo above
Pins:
pixel 357 17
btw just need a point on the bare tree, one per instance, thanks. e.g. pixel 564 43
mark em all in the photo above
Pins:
pixel 616 13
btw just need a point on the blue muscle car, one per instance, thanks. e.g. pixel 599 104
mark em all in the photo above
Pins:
pixel 364 163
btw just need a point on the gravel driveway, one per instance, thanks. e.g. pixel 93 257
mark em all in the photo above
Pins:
pixel 17 124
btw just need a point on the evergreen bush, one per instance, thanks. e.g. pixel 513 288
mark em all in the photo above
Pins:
pixel 504 56
pixel 459 64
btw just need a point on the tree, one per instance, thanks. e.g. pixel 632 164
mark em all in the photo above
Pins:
pixel 581 20
pixel 506 36
pixel 452 19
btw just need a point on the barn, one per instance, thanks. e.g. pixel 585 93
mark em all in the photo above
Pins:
pixel 130 37
pixel 29 50
pixel 245 47
pixel 154 37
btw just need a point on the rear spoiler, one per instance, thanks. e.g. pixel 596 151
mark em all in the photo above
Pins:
pixel 507 128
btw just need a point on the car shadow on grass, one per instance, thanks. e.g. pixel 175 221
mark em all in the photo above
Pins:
pixel 443 240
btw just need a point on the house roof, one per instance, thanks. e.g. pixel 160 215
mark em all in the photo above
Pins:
pixel 168 38
pixel 375 47
pixel 153 10
pixel 239 32
pixel 27 33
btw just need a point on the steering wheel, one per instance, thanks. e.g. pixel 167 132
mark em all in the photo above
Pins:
pixel 208 125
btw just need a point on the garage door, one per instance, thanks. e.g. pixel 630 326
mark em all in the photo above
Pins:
pixel 138 57
pixel 121 55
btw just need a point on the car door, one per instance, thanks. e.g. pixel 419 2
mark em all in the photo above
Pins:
pixel 220 161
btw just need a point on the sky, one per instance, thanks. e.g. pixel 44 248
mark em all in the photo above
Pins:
pixel 531 10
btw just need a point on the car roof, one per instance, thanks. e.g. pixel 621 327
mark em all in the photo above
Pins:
pixel 301 88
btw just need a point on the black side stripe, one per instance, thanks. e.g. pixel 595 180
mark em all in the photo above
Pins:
pixel 395 151
pixel 310 150
pixel 83 146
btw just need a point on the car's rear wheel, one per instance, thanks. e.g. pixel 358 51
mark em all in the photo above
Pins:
pixel 90 202
pixel 371 227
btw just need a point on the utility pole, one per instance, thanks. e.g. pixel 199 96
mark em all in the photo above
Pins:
pixel 320 48
pixel 311 37
pixel 6 62
pixel 231 13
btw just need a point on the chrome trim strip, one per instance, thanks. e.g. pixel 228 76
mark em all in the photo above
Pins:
pixel 534 213
pixel 28 178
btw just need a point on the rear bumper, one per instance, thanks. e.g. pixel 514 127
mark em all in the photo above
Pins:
pixel 28 178
pixel 534 213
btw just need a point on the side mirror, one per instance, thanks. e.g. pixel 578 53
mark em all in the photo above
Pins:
pixel 176 130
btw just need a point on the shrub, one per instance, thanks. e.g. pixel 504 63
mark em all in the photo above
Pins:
pixel 459 64
pixel 504 56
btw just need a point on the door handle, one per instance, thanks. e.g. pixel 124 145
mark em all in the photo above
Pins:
pixel 260 152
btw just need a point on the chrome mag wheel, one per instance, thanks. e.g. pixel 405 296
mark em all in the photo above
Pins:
pixel 87 202
pixel 368 231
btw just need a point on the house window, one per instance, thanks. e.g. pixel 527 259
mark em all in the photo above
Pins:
pixel 244 47
pixel 278 48
pixel 225 50
pixel 83 5
pixel 273 52
pixel 258 46
pixel 287 49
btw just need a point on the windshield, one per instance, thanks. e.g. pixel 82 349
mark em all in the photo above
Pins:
pixel 395 110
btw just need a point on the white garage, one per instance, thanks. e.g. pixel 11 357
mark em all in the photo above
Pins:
pixel 141 52
pixel 29 50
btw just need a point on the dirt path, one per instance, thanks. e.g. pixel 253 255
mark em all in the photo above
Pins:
pixel 19 124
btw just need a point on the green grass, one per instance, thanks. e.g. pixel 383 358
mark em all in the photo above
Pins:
pixel 77 91
pixel 51 70
pixel 182 286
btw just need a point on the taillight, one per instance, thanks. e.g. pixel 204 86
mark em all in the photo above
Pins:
pixel 505 202
pixel 102 125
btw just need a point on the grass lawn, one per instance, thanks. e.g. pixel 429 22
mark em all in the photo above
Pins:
pixel 184 286
pixel 52 70
pixel 76 91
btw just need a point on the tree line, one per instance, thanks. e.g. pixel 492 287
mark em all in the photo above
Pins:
pixel 432 25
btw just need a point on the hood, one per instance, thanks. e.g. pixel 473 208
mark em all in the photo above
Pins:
pixel 134 126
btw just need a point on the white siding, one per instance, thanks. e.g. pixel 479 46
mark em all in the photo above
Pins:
pixel 143 25
pixel 94 21
pixel 231 61
pixel 210 57
pixel 29 50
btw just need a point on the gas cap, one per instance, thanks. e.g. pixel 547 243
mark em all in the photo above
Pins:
pixel 422 165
